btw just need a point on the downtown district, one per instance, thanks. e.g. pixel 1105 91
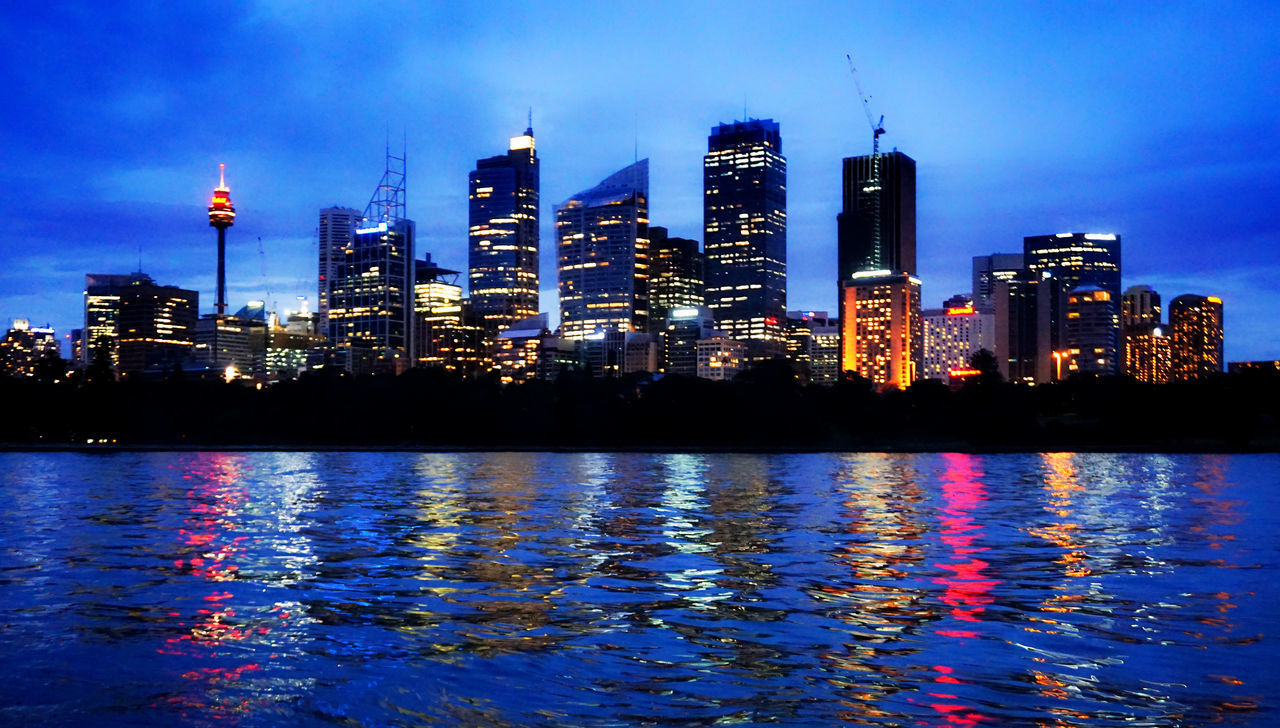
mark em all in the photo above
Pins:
pixel 633 299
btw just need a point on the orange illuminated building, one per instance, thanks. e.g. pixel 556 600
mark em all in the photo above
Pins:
pixel 881 330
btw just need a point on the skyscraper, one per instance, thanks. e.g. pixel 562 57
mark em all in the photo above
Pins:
pixel 155 325
pixel 102 316
pixel 222 216
pixel 859 249
pixel 370 322
pixel 745 221
pixel 1140 317
pixel 602 254
pixel 503 234
pixel 1196 324
pixel 1090 331
pixel 987 271
pixel 337 228
pixel 1066 261
pixel 675 275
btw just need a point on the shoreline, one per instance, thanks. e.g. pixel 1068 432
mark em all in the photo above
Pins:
pixel 876 448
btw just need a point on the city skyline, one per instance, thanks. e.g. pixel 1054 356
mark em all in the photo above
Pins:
pixel 1055 142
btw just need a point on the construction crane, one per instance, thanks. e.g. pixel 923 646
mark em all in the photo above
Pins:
pixel 877 128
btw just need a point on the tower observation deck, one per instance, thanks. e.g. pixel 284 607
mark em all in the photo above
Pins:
pixel 222 215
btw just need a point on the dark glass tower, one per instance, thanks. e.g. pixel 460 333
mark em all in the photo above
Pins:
pixel 895 251
pixel 503 235
pixel 1066 261
pixel 602 254
pixel 675 275
pixel 745 219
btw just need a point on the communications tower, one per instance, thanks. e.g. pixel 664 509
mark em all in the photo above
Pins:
pixel 222 216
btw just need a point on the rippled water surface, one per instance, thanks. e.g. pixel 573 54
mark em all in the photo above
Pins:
pixel 389 589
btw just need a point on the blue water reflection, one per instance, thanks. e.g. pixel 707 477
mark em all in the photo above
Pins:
pixel 262 589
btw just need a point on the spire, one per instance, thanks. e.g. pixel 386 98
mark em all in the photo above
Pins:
pixel 529 130
pixel 222 176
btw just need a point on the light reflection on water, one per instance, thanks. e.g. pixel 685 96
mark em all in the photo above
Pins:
pixel 629 589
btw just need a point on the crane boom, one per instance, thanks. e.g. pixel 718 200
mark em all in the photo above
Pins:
pixel 874 186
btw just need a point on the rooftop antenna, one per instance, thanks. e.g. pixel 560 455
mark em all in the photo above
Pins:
pixel 529 130
pixel 635 138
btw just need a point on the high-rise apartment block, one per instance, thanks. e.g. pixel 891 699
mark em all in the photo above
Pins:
pixel 1146 353
pixel 1196 326
pixel 602 254
pixel 745 226
pixel 503 235
pixel 676 275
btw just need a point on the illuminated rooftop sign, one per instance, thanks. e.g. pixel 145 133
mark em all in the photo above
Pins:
pixel 684 313
pixel 379 228
pixel 959 310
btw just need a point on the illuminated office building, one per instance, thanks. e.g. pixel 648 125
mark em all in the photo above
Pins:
pixel 953 334
pixel 102 315
pixel 234 345
pixel 1091 323
pixel 370 321
pixel 989 270
pixel 882 336
pixel 337 228
pixel 516 349
pixel 813 346
pixel 24 346
pixel 155 326
pixel 675 275
pixel 894 249
pixel 1068 261
pixel 685 327
pixel 602 255
pixel 721 358
pixel 745 233
pixel 442 337
pixel 1196 325
pixel 503 236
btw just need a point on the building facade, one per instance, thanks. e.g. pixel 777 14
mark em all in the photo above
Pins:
pixel 1196 325
pixel 337 228
pixel 721 358
pixel 813 346
pixel 503 236
pixel 155 326
pixel 676 275
pixel 745 233
pixel 952 335
pixel 24 346
pixel 882 337
pixel 889 242
pixel 602 252
pixel 989 270
pixel 370 323
pixel 1091 324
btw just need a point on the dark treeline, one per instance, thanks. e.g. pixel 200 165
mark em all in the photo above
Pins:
pixel 764 408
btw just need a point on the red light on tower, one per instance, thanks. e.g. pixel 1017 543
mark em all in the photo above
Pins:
pixel 221 213
pixel 222 216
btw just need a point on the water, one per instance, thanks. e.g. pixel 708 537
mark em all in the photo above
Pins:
pixel 264 589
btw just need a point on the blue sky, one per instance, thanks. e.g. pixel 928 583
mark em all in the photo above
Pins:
pixel 1158 122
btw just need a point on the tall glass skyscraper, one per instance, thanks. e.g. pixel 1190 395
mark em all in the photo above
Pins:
pixel 602 255
pixel 675 275
pixel 337 227
pixel 503 234
pixel 745 219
